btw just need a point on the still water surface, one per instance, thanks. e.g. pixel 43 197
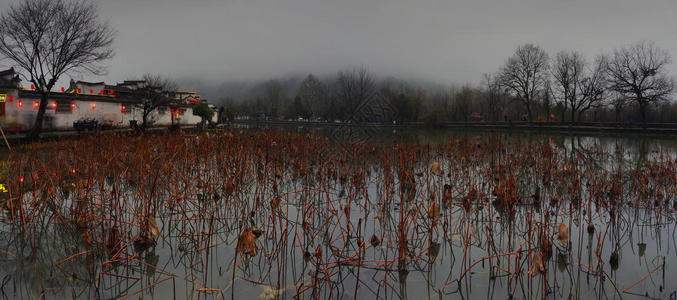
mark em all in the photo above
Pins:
pixel 317 242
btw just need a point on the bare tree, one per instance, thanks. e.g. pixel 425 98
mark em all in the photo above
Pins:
pixel 638 73
pixel 593 88
pixel 618 102
pixel 577 85
pixel 48 38
pixel 525 74
pixel 153 94
pixel 492 96
pixel 547 99
pixel 354 87
pixel 463 102
pixel 313 95
pixel 567 69
pixel 274 96
pixel 439 104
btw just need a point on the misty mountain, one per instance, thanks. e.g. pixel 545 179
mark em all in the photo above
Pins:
pixel 236 91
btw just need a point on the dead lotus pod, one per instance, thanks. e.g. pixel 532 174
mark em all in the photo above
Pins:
pixel 537 266
pixel 246 242
pixel 434 211
pixel 375 241
pixel 153 230
pixel 435 168
pixel 563 233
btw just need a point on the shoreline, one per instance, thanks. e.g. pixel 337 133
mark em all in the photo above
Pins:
pixel 596 128
pixel 592 129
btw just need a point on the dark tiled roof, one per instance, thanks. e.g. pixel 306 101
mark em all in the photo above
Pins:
pixel 11 83
pixel 89 83
pixel 131 82
pixel 118 89
pixel 7 72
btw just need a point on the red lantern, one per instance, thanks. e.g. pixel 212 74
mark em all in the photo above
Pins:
pixel 36 104
pixel 20 104
pixel 10 98
pixel 93 105
pixel 54 105
pixel 122 108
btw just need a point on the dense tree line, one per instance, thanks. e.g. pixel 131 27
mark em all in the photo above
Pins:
pixel 630 84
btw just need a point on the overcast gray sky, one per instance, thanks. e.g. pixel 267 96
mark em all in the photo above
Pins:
pixel 445 41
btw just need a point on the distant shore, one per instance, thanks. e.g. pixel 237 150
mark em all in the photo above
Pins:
pixel 581 127
pixel 593 128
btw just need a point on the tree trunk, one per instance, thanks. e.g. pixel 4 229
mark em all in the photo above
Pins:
pixel 642 111
pixel 34 133
pixel 529 111
pixel 144 120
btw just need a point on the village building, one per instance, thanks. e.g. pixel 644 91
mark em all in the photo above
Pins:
pixel 112 105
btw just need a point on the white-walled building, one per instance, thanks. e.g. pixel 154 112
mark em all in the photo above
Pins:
pixel 108 104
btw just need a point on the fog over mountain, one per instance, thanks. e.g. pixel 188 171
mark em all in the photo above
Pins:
pixel 221 47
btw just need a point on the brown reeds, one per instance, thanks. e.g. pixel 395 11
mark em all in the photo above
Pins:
pixel 292 213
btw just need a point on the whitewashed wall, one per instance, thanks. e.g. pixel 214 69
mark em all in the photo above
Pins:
pixel 91 89
pixel 25 116
pixel 11 113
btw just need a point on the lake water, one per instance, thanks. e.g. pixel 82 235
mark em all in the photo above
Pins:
pixel 396 214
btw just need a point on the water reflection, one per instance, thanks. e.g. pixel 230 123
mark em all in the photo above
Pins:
pixel 386 224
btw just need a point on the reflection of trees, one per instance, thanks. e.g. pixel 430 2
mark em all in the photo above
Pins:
pixel 42 264
pixel 317 232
